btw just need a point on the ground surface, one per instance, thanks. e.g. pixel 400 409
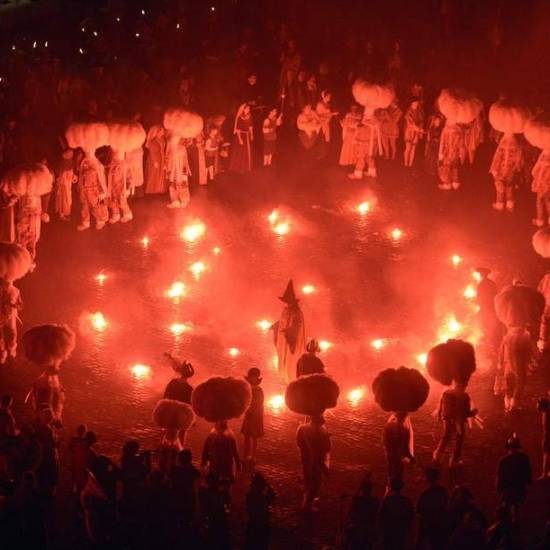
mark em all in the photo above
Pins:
pixel 367 287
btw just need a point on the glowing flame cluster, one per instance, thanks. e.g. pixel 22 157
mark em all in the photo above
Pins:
pixel 355 395
pixel 279 227
pixel 177 329
pixel 101 278
pixel 193 232
pixel 140 371
pixel 98 321
pixel 325 345
pixel 378 343
pixel 363 208
pixel 197 269
pixel 176 290
pixel 396 234
pixel 308 289
pixel 456 260
pixel 233 352
pixel 276 402
pixel 145 242
pixel 264 325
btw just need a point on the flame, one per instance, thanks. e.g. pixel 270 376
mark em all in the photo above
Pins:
pixel 275 362
pixel 282 228
pixel 470 292
pixel 192 233
pixel 355 395
pixel 177 290
pixel 233 352
pixel 177 329
pixel 324 345
pixel 101 278
pixel 378 343
pixel 456 260
pixel 422 359
pixel 476 275
pixel 216 250
pixel 276 402
pixel 145 242
pixel 273 217
pixel 308 289
pixel 98 321
pixel 396 234
pixel 197 269
pixel 450 329
pixel 140 372
pixel 264 325
pixel 363 208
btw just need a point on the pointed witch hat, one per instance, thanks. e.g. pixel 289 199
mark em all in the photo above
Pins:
pixel 289 297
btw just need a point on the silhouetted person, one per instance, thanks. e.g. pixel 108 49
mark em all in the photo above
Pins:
pixel 361 532
pixel 31 513
pixel 214 502
pixel 309 363
pixel 219 454
pixel 502 535
pixel 432 509
pixel 396 516
pixel 259 499
pixel 469 534
pixel 183 478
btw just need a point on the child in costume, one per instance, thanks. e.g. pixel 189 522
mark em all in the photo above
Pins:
pixel 118 191
pixel 367 145
pixel 325 114
pixel 15 263
pixel 414 130
pixel 349 126
pixel 269 130
pixel 452 363
pixel 217 400
pixel 47 346
pixel 92 185
pixel 311 396
pixel 289 333
pixel 253 423
pixel 401 391
pixel 175 418
pixel 389 129
pixel 212 152
pixel 64 185
pixel 517 356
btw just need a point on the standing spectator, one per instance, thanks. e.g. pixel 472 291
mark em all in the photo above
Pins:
pixel 349 126
pixel 243 136
pixel 361 532
pixel 389 129
pixel 253 424
pixel 155 146
pixel 47 472
pixel 502 534
pixel 433 139
pixel 414 130
pixel 214 502
pixel 259 499
pixel 219 454
pixel 183 478
pixel 432 509
pixel 31 513
pixel 513 477
pixel 269 130
pixel 396 516
pixel 82 458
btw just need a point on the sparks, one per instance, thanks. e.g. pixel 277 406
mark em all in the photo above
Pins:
pixel 46 44
pixel 273 217
pixel 308 289
pixel 363 208
pixel 470 292
pixel 276 402
pixel 197 269
pixel 264 325
pixel 396 234
pixel 137 35
pixel 177 329
pixel 95 33
pixel 233 352
pixel 145 242
pixel 421 359
pixel 281 228
pixel 140 372
pixel 142 12
pixel 456 260
pixel 216 250
pixel 378 343
pixel 355 395
pixel 34 45
pixel 192 233
pixel 177 290
pixel 81 51
pixel 98 321
pixel 324 345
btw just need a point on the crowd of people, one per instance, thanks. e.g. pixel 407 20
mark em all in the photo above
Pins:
pixel 141 101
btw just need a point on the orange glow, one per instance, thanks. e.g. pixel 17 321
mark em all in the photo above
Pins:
pixel 450 329
pixel 197 269
pixel 177 329
pixel 324 345
pixel 140 372
pixel 308 289
pixel 233 352
pixel 422 359
pixel 470 292
pixel 355 395
pixel 363 208
pixel 98 321
pixel 145 242
pixel 275 362
pixel 273 217
pixel 396 234
pixel 101 278
pixel 476 276
pixel 276 402
pixel 378 343
pixel 453 325
pixel 264 325
pixel 192 233
pixel 282 228
pixel 456 260
pixel 177 290
pixel 216 250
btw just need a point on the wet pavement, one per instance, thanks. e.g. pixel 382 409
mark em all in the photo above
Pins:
pixel 368 285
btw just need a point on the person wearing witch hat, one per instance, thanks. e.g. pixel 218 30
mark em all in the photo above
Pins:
pixel 253 423
pixel 179 389
pixel 289 333
pixel 309 363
